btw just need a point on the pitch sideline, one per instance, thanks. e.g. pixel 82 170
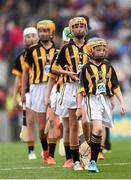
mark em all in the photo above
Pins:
pixel 48 167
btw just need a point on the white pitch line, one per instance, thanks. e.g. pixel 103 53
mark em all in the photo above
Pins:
pixel 48 167
pixel 26 168
pixel 115 164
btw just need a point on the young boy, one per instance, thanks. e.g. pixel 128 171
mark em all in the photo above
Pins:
pixel 98 82
pixel 30 37
pixel 69 61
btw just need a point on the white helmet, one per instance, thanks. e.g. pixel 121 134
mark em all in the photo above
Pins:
pixel 29 30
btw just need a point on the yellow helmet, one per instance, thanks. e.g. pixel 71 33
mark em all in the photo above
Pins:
pixel 93 42
pixel 47 24
pixel 77 20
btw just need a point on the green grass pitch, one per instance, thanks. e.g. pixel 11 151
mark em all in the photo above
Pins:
pixel 15 165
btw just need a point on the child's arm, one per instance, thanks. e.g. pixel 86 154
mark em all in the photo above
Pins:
pixel 16 90
pixel 79 106
pixel 81 90
pixel 112 102
pixel 122 102
pixel 117 91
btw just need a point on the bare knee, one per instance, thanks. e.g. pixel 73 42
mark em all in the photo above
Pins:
pixel 66 132
pixel 74 127
pixel 97 131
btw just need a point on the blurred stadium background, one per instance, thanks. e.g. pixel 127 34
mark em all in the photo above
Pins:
pixel 110 18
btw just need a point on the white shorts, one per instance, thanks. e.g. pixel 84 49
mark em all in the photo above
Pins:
pixel 60 109
pixel 28 102
pixel 53 97
pixel 101 109
pixel 37 97
pixel 70 95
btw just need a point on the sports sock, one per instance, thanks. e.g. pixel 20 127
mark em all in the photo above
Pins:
pixel 30 145
pixel 67 151
pixel 95 146
pixel 51 149
pixel 75 153
pixel 43 139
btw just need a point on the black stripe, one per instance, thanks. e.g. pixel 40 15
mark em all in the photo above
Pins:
pixel 40 64
pixel 84 80
pixel 68 79
pixel 99 72
pixel 34 71
pixel 107 79
pixel 89 108
pixel 81 55
pixel 53 60
pixel 93 79
pixel 72 58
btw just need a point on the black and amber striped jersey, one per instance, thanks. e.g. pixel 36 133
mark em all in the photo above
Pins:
pixel 60 79
pixel 72 58
pixel 97 80
pixel 18 65
pixel 39 60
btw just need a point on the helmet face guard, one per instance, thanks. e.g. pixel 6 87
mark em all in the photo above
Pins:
pixel 95 42
pixel 66 34
pixel 77 21
pixel 47 24
pixel 30 36
pixel 29 30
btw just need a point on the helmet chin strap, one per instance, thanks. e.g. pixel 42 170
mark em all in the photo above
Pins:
pixel 97 58
pixel 80 36
pixel 45 41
